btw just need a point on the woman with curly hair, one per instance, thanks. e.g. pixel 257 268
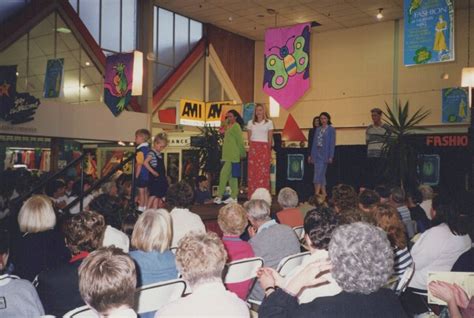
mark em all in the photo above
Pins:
pixel 388 219
pixel 361 263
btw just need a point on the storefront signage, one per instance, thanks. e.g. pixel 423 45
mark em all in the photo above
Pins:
pixel 447 141
pixel 197 113
pixel 428 31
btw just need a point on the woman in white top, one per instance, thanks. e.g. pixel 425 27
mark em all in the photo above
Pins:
pixel 260 130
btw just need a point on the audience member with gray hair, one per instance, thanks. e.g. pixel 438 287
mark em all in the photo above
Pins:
pixel 290 215
pixel 362 260
pixel 427 199
pixel 262 194
pixel 201 258
pixel 269 240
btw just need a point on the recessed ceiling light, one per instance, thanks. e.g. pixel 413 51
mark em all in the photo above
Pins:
pixel 63 30
pixel 380 15
pixel 17 73
pixel 88 63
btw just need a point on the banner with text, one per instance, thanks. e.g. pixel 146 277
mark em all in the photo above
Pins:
pixel 429 31
pixel 197 113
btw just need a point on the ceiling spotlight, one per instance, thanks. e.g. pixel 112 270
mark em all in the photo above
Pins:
pixel 131 144
pixel 271 11
pixel 17 73
pixel 121 143
pixel 380 15
pixel 88 63
pixel 230 19
pixel 63 30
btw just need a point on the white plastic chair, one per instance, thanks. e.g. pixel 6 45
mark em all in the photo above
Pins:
pixel 299 231
pixel 242 270
pixel 154 296
pixel 289 263
pixel 80 312
pixel 402 283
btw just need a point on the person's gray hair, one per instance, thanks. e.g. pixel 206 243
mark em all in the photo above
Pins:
pixel 287 198
pixel 426 192
pixel 361 257
pixel 262 194
pixel 259 210
pixel 398 195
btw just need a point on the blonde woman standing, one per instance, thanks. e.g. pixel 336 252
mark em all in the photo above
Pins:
pixel 260 131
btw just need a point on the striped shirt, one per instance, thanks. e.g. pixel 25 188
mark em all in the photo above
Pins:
pixel 375 138
pixel 402 260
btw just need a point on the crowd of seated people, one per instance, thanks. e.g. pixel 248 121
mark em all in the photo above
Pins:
pixel 359 245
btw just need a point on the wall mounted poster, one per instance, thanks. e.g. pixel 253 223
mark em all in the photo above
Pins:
pixel 428 31
pixel 53 78
pixel 455 105
pixel 295 169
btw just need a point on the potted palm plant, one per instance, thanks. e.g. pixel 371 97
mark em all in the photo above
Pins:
pixel 399 149
pixel 210 152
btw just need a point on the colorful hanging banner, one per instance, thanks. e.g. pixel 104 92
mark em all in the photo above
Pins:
pixel 53 78
pixel 429 31
pixel 7 90
pixel 455 105
pixel 286 66
pixel 118 82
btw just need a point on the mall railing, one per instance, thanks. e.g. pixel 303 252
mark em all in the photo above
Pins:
pixel 101 181
pixel 39 187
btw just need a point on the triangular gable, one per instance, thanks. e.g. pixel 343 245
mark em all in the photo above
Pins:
pixel 36 11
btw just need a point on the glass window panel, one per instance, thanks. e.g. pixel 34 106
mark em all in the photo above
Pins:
pixel 73 4
pixel 195 33
pixel 215 87
pixel 165 37
pixel 110 25
pixel 155 29
pixel 181 43
pixel 161 73
pixel 129 25
pixel 10 7
pixel 89 13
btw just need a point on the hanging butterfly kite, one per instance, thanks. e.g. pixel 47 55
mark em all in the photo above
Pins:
pixel 286 73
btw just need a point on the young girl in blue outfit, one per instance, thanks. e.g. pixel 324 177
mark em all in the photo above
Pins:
pixel 155 164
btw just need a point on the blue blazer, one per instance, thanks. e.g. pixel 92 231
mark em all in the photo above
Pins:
pixel 329 143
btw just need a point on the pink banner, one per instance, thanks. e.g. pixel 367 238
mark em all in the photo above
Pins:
pixel 286 73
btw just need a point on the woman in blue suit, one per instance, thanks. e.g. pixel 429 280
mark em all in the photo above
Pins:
pixel 322 152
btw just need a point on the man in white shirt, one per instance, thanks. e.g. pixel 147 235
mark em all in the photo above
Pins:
pixel 107 280
pixel 201 258
pixel 180 197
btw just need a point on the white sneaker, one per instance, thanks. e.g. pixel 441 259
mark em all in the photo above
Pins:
pixel 230 200
pixel 218 200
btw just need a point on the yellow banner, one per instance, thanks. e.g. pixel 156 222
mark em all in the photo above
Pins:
pixel 196 113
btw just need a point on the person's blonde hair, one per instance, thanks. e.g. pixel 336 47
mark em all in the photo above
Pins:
pixel 160 137
pixel 265 115
pixel 262 194
pixel 232 219
pixel 107 279
pixel 153 231
pixel 36 215
pixel 200 257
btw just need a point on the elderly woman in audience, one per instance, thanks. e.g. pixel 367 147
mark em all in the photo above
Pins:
pixel 362 262
pixel 151 238
pixel 232 220
pixel 344 197
pixel 355 215
pixel 58 288
pixel 19 297
pixel 319 224
pixel 269 240
pixel 427 195
pixel 262 194
pixel 201 257
pixel 180 197
pixel 436 250
pixel 40 245
pixel 290 215
pixel 388 220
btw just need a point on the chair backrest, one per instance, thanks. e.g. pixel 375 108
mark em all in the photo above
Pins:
pixel 289 263
pixel 154 296
pixel 80 312
pixel 242 270
pixel 402 283
pixel 299 230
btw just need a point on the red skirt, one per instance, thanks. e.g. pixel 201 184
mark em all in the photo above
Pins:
pixel 258 171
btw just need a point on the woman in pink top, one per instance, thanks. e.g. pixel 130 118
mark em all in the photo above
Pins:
pixel 232 220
